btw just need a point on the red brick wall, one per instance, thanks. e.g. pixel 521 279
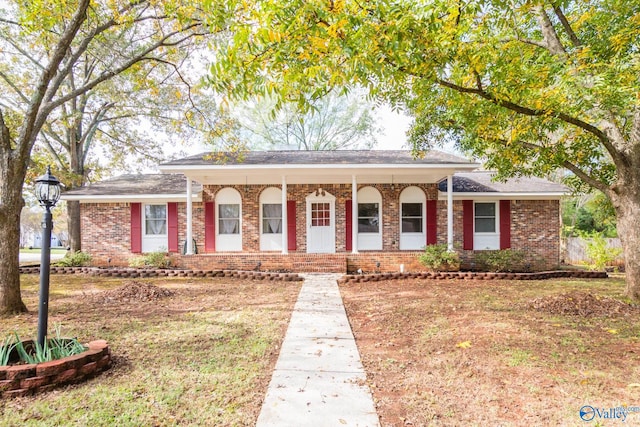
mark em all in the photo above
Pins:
pixel 535 228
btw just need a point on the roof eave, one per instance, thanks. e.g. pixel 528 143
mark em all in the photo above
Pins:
pixel 130 198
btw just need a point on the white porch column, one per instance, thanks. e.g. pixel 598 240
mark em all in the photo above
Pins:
pixel 189 250
pixel 285 220
pixel 450 212
pixel 354 215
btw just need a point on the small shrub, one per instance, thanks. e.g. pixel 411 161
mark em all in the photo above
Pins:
pixel 75 259
pixel 501 260
pixel 439 258
pixel 159 259
pixel 600 253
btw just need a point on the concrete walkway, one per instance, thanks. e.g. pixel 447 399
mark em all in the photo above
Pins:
pixel 319 379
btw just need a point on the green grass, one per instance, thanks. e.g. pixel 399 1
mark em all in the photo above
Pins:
pixel 202 357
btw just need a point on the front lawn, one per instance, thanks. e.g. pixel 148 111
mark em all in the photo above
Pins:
pixel 508 353
pixel 203 356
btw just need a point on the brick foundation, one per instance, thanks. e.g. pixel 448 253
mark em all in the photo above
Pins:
pixel 23 380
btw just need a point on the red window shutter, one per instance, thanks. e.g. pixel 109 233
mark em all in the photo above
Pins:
pixel 505 224
pixel 348 208
pixel 432 222
pixel 291 225
pixel 172 226
pixel 136 228
pixel 209 226
pixel 467 225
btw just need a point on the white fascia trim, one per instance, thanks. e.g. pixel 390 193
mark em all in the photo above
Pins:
pixel 350 166
pixel 127 198
pixel 503 196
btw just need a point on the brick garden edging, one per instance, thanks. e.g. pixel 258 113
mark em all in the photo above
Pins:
pixel 23 380
pixel 470 275
pixel 161 272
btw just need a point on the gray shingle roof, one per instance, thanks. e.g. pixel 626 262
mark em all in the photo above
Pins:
pixel 132 185
pixel 355 157
pixel 480 182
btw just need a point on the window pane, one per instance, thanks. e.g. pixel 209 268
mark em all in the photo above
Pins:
pixel 229 226
pixel 367 209
pixel 485 225
pixel 412 225
pixel 485 209
pixel 229 211
pixel 412 209
pixel 368 225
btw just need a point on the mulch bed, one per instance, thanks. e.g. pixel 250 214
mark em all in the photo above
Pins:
pixel 582 304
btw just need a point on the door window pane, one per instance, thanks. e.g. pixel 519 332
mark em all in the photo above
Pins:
pixel 155 220
pixel 320 215
pixel 229 219
pixel 368 218
pixel 412 217
pixel 271 218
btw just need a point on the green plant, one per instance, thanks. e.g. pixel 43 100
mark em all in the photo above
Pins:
pixel 598 250
pixel 75 259
pixel 5 351
pixel 159 259
pixel 52 348
pixel 440 258
pixel 501 260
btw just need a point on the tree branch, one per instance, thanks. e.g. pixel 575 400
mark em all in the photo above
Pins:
pixel 548 32
pixel 566 25
pixel 33 118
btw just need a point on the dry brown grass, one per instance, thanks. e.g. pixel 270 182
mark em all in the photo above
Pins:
pixel 476 353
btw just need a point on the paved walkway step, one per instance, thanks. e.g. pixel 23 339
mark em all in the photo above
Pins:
pixel 318 379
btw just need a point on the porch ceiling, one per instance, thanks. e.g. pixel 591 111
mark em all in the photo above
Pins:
pixel 375 174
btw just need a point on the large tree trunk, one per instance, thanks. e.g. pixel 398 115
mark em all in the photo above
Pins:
pixel 626 201
pixel 73 225
pixel 10 207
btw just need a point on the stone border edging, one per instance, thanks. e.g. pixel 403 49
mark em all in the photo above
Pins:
pixel 470 275
pixel 161 272
pixel 23 380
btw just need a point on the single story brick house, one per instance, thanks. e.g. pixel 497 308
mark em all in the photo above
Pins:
pixel 318 211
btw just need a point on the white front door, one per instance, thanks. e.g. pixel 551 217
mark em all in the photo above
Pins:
pixel 321 236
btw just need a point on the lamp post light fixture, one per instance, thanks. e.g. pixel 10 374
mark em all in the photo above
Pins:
pixel 48 194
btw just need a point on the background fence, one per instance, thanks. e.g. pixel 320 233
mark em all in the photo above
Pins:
pixel 575 250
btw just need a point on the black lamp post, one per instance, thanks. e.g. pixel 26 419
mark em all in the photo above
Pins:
pixel 48 194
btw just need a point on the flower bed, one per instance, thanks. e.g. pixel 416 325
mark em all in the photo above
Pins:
pixel 470 275
pixel 22 380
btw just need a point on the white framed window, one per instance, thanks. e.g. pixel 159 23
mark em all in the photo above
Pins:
pixel 229 220
pixel 155 220
pixel 271 219
pixel 154 227
pixel 413 223
pixel 412 217
pixel 486 231
pixel 369 219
